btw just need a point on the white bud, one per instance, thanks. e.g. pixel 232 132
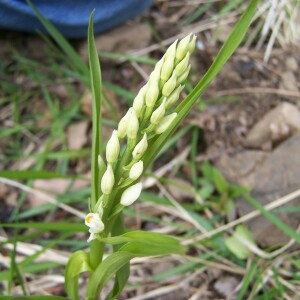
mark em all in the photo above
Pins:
pixel 183 65
pixel 132 126
pixel 140 148
pixel 101 164
pixel 192 44
pixel 95 223
pixel 131 194
pixel 113 148
pixel 182 48
pixel 170 85
pixel 184 76
pixel 165 123
pixel 158 114
pixel 136 170
pixel 168 65
pixel 107 181
pixel 152 92
pixel 157 69
pixel 171 100
pixel 139 101
pixel 123 124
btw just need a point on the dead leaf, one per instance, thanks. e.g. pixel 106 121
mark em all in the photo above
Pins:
pixel 12 199
pixel 60 91
pixel 180 189
pixel 127 37
pixel 55 186
pixel 87 103
pixel 3 189
pixel 226 285
pixel 289 81
pixel 77 134
pixel 275 126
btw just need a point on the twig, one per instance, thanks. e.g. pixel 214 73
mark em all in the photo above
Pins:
pixel 257 90
pixel 43 196
pixel 276 203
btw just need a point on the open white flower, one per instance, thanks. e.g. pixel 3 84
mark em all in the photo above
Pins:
pixel 95 223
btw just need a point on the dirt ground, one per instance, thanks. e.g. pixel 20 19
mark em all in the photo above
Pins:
pixel 238 99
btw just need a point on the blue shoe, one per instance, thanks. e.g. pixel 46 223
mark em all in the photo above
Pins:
pixel 69 16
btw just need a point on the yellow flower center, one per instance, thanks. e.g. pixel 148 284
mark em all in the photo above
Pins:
pixel 88 219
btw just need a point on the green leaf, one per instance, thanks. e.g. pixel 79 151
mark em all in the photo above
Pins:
pixel 220 182
pixel 96 85
pixel 144 243
pixel 213 175
pixel 123 274
pixel 78 263
pixel 108 267
pixel 234 244
pixel 138 243
pixel 185 106
pixel 247 280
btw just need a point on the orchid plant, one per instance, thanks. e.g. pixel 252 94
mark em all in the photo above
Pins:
pixel 132 147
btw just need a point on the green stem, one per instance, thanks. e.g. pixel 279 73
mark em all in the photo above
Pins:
pixel 96 253
pixel 126 156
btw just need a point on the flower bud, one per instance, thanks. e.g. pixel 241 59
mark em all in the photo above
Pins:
pixel 132 126
pixel 165 123
pixel 139 101
pixel 113 148
pixel 170 85
pixel 136 170
pixel 131 194
pixel 152 92
pixel 171 100
pixel 183 65
pixel 184 76
pixel 107 181
pixel 95 223
pixel 158 114
pixel 123 124
pixel 182 48
pixel 192 44
pixel 101 165
pixel 140 148
pixel 168 65
pixel 157 69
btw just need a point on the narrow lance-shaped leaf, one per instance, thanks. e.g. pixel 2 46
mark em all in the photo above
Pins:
pixel 96 85
pixel 78 263
pixel 185 106
pixel 141 244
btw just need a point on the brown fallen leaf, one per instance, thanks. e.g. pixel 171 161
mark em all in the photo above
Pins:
pixel 180 189
pixel 277 125
pixel 55 186
pixel 127 37
pixel 77 134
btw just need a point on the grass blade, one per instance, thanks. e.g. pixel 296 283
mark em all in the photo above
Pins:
pixel 96 85
pixel 62 42
pixel 33 174
pixel 57 226
pixel 273 219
